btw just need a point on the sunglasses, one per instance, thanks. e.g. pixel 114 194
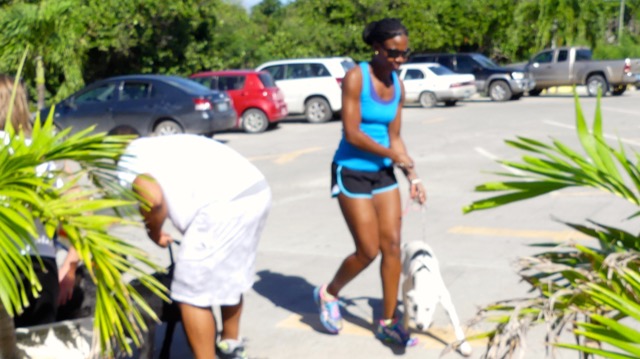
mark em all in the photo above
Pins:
pixel 394 54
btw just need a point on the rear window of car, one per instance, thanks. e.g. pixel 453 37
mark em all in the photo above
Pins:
pixel 226 83
pixel 266 79
pixel 206 81
pixel 583 55
pixel 347 65
pixel 188 86
pixel 441 70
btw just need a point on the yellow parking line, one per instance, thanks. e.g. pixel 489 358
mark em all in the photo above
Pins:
pixel 283 158
pixel 431 339
pixel 505 232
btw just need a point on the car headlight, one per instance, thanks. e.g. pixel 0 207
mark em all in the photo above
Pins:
pixel 517 75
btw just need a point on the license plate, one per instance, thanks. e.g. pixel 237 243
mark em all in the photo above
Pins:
pixel 222 106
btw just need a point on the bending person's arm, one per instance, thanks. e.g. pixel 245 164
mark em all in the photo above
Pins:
pixel 154 211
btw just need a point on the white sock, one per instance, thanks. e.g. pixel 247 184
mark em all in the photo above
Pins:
pixel 325 294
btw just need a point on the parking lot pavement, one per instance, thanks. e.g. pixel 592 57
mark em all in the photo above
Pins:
pixel 454 149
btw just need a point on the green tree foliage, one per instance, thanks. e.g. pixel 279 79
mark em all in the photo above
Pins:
pixel 84 40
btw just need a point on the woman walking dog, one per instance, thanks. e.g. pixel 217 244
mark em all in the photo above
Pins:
pixel 363 176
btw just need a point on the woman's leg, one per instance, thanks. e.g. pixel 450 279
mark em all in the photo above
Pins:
pixel 200 326
pixel 388 208
pixel 231 320
pixel 361 218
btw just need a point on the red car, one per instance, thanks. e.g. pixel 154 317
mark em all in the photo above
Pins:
pixel 257 100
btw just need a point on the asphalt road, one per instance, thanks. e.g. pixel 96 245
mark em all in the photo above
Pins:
pixel 454 149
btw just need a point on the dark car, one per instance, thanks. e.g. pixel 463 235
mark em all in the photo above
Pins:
pixel 499 83
pixel 152 104
pixel 257 100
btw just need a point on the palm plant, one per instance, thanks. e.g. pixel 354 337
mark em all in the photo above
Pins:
pixel 592 290
pixel 85 214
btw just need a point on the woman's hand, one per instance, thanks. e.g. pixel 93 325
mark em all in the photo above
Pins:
pixel 404 162
pixel 418 192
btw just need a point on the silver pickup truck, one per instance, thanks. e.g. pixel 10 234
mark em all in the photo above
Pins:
pixel 567 66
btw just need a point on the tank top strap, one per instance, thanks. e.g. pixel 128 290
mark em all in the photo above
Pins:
pixel 366 78
pixel 396 86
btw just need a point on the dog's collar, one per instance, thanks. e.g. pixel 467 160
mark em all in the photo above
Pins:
pixel 419 253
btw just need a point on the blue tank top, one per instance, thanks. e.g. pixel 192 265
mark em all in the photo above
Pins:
pixel 376 116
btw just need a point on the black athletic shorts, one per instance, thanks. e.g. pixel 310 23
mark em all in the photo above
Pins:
pixel 361 184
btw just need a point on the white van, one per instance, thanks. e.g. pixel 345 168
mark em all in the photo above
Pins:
pixel 311 86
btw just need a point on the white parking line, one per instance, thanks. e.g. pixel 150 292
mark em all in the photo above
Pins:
pixel 606 135
pixel 493 157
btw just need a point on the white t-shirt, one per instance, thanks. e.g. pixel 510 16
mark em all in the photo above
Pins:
pixel 193 171
pixel 44 244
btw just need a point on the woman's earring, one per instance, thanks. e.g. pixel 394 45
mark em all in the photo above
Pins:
pixel 376 52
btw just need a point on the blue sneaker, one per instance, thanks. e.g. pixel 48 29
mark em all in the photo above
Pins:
pixel 394 333
pixel 329 311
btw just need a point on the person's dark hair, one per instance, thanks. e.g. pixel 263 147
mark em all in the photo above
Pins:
pixel 382 30
pixel 123 130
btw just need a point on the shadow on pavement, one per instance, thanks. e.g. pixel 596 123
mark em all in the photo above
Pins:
pixel 298 299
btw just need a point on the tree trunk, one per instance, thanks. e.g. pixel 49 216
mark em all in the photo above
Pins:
pixel 8 349
pixel 40 82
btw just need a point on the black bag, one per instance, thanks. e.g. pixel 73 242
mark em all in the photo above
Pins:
pixel 169 313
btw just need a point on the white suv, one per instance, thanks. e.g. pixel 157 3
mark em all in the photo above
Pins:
pixel 311 86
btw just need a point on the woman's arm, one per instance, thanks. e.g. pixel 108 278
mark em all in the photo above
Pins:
pixel 352 117
pixel 417 190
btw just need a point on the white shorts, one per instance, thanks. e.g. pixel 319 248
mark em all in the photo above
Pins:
pixel 216 260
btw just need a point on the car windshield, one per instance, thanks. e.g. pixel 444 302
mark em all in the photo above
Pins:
pixel 189 86
pixel 441 70
pixel 484 61
pixel 266 79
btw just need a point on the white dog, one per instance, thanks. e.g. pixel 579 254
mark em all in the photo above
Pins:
pixel 423 288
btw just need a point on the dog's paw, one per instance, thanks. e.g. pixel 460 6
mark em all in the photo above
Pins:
pixel 465 349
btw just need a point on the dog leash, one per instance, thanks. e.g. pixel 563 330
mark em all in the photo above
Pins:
pixel 412 205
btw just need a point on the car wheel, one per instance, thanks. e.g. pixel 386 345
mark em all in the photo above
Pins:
pixel 535 92
pixel 619 90
pixel 450 103
pixel 596 82
pixel 254 121
pixel 167 127
pixel 428 99
pixel 317 110
pixel 499 91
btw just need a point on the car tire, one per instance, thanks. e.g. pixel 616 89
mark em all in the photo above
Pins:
pixel 500 91
pixel 167 127
pixel 317 110
pixel 428 99
pixel 450 103
pixel 594 82
pixel 619 90
pixel 254 121
pixel 535 92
